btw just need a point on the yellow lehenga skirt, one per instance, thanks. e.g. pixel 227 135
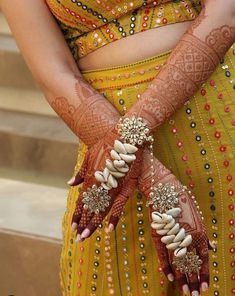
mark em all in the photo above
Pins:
pixel 198 145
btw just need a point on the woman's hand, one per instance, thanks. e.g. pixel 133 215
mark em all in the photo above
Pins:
pixel 189 219
pixel 84 221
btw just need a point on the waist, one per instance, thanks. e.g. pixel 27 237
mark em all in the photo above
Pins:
pixel 134 48
pixel 89 27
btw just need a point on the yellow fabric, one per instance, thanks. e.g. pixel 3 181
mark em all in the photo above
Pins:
pixel 89 25
pixel 198 145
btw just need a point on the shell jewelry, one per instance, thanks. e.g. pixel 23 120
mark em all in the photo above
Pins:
pixel 164 198
pixel 133 131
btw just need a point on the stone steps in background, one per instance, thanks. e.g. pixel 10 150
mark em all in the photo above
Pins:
pixel 37 143
pixel 37 156
pixel 30 234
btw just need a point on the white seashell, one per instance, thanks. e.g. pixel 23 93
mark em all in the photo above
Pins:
pixel 174 230
pixel 124 169
pixel 167 239
pixel 130 148
pixel 106 174
pixel 187 241
pixel 115 155
pixel 128 157
pixel 180 236
pixel 119 163
pixel 174 212
pixel 170 224
pixel 167 218
pixel 119 147
pixel 117 174
pixel 112 181
pixel 99 176
pixel 157 226
pixel 173 246
pixel 180 252
pixel 110 166
pixel 157 217
pixel 162 231
pixel 106 186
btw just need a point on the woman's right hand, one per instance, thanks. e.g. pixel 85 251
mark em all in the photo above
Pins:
pixel 189 219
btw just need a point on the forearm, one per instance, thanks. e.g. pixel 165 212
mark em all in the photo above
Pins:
pixel 88 114
pixel 190 64
pixel 47 55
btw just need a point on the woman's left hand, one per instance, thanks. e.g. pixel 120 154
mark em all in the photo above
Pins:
pixel 187 223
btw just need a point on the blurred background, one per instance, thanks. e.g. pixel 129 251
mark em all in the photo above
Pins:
pixel 37 157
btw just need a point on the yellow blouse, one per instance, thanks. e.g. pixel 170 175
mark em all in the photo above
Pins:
pixel 89 25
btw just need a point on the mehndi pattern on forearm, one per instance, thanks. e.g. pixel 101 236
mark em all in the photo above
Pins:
pixel 191 63
pixel 89 116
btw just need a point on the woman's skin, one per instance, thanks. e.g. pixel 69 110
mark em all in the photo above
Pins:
pixel 46 52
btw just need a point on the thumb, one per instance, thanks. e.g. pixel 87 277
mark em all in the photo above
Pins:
pixel 79 177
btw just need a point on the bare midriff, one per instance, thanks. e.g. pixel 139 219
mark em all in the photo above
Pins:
pixel 135 47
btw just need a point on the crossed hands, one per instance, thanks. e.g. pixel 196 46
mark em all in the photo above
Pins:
pixel 140 175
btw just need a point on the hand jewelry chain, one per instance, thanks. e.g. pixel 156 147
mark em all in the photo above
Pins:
pixel 163 197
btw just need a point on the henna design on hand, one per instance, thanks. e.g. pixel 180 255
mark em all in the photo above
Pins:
pixel 189 219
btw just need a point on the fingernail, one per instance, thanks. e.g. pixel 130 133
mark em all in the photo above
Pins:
pixel 185 289
pixel 170 277
pixel 74 226
pixel 78 238
pixel 110 228
pixel 195 293
pixel 85 233
pixel 204 287
pixel 70 182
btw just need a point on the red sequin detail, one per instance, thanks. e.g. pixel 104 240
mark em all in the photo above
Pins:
pixel 174 130
pixel 189 172
pixel 179 144
pixel 207 107
pixel 217 135
pixel 231 222
pixel 203 92
pixel 220 96
pixel 212 82
pixel 233 277
pixel 184 157
pixel 164 21
pixel 226 163
pixel 230 192
pixel 231 235
pixel 233 290
pixel 229 178
pixel 232 263
pixel 211 121
pixel 81 261
pixel 233 122
pixel 232 250
pixel 222 148
pixel 226 109
pixel 231 207
pixel 79 285
pixel 191 184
